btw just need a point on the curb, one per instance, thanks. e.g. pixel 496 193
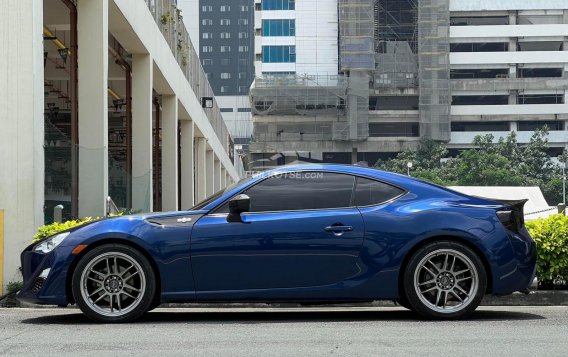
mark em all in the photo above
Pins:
pixel 535 298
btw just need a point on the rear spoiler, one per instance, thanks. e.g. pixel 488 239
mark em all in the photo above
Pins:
pixel 513 218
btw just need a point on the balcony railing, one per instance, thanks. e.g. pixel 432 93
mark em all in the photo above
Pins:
pixel 170 22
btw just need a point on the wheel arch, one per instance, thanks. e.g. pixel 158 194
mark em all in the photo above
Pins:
pixel 105 241
pixel 450 238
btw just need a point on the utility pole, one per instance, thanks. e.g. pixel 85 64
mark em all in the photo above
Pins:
pixel 564 184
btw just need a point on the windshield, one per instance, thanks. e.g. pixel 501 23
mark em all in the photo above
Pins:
pixel 218 194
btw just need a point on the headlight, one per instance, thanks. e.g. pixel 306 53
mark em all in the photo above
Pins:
pixel 50 243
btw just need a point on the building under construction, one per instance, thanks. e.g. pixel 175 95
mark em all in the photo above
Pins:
pixel 359 80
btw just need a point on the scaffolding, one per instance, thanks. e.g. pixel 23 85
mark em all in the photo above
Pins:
pixel 356 35
pixel 434 69
pixel 298 95
pixel 386 47
pixel 396 44
pixel 357 61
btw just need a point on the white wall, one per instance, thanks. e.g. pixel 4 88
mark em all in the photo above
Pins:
pixel 315 40
pixel 239 124
pixel 21 133
pixel 316 37
pixel 466 138
pixel 508 57
pixel 511 109
pixel 492 31
pixel 480 5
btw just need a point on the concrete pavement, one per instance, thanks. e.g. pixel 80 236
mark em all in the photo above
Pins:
pixel 519 331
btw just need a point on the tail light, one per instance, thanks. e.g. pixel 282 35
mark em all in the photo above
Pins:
pixel 513 216
pixel 512 220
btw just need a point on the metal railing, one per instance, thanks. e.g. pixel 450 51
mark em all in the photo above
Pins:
pixel 170 22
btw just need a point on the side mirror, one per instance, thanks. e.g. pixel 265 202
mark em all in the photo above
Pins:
pixel 237 205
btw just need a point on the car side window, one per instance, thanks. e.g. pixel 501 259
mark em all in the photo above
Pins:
pixel 370 192
pixel 300 191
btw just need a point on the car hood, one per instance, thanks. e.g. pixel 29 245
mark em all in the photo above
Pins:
pixel 146 216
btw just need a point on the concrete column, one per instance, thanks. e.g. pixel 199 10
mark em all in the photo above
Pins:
pixel 512 18
pixel 187 168
pixel 21 131
pixel 170 135
pixel 513 97
pixel 201 167
pixel 92 32
pixel 223 177
pixel 513 44
pixel 142 79
pixel 216 175
pixel 209 172
pixel 512 71
pixel 513 126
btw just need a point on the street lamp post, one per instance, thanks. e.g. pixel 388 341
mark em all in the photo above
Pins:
pixel 408 167
pixel 564 184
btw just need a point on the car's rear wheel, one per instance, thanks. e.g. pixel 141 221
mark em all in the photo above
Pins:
pixel 114 283
pixel 444 280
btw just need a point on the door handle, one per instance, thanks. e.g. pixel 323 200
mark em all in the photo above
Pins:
pixel 338 230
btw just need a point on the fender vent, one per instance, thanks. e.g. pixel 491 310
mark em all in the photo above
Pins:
pixel 38 284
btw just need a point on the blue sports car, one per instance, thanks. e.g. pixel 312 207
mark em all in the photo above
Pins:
pixel 306 234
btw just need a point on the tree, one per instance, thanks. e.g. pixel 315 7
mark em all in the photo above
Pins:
pixel 428 155
pixel 504 162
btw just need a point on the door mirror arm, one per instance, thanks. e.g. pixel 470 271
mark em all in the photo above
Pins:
pixel 237 205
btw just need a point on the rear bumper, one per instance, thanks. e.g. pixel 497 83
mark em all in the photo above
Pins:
pixel 521 275
pixel 534 284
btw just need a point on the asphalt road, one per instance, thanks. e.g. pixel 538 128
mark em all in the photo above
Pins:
pixel 519 331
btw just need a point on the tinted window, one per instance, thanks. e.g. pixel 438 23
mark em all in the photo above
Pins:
pixel 300 191
pixel 370 192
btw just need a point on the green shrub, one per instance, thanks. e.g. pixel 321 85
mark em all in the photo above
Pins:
pixel 14 286
pixel 551 236
pixel 56 227
pixel 9 297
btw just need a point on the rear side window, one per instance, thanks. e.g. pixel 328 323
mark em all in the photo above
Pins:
pixel 371 192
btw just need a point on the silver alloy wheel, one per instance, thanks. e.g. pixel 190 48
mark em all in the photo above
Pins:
pixel 113 284
pixel 446 281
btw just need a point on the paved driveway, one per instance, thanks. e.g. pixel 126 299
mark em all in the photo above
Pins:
pixel 519 331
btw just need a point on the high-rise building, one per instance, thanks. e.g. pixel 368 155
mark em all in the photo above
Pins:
pixel 358 80
pixel 226 51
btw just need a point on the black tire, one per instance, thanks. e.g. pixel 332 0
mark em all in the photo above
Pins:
pixel 143 300
pixel 403 301
pixel 427 302
pixel 154 304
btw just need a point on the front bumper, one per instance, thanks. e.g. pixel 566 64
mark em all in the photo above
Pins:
pixel 45 276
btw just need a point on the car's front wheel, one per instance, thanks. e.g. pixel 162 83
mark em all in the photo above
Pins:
pixel 114 283
pixel 444 280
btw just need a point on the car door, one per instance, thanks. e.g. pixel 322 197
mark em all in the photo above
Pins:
pixel 300 232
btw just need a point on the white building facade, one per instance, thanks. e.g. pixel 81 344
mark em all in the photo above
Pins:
pixel 296 37
pixel 103 98
pixel 509 69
